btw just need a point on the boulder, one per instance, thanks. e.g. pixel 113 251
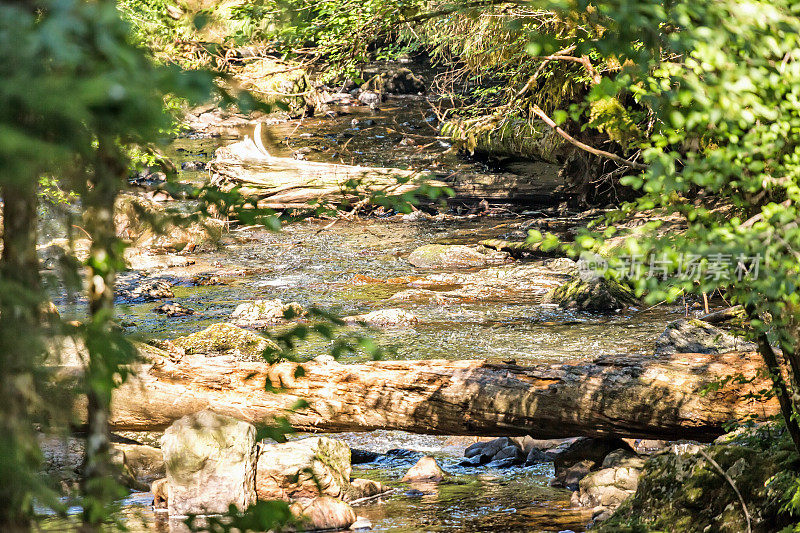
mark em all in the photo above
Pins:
pixel 568 476
pixel 210 461
pixel 145 463
pixel 574 459
pixel 396 81
pixel 138 465
pixel 324 512
pixel 599 295
pixel 160 490
pixel 456 256
pixel 225 339
pixel 426 469
pixel 172 309
pixel 148 291
pixel 385 317
pixel 266 311
pixel 679 489
pixel 358 456
pixel 528 443
pixel 512 453
pixel 133 215
pixel 604 490
pixel 690 335
pixel 487 449
pixel 536 456
pixel 370 98
pixel 305 468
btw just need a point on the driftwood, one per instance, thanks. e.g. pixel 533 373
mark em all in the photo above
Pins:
pixel 280 182
pixel 652 397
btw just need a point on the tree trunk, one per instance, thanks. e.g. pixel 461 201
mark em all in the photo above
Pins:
pixel 652 397
pixel 21 353
pixel 99 485
pixel 781 386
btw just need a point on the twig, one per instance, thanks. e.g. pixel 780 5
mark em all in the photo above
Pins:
pixel 733 486
pixel 760 216
pixel 614 157
pixel 373 497
pixel 583 60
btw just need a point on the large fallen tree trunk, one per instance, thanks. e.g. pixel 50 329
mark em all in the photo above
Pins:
pixel 655 397
pixel 281 183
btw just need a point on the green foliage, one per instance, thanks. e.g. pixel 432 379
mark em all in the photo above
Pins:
pixel 261 516
pixel 721 81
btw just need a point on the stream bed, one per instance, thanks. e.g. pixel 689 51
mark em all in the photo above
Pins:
pixel 356 266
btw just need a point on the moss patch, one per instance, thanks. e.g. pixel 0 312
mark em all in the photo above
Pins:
pixel 685 492
pixel 225 339
pixel 600 295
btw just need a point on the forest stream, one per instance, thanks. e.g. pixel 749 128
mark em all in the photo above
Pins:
pixel 356 266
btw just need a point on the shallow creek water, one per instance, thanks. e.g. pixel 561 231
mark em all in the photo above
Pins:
pixel 317 268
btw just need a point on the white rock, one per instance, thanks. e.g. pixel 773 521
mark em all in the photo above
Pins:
pixel 210 462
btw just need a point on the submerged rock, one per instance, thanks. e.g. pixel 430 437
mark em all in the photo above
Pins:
pixel 364 488
pixel 225 339
pixel 172 309
pixel 210 461
pixel 385 317
pixel 690 335
pixel 456 256
pixel 148 291
pixel 599 295
pixel 426 469
pixel 267 311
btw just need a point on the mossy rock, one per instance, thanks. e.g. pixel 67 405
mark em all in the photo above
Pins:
pixel 456 256
pixel 685 492
pixel 691 335
pixel 515 248
pixel 226 339
pixel 599 295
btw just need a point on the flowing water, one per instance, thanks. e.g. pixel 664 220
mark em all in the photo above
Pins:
pixel 354 267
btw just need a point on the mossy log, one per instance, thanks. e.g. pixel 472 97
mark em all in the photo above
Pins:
pixel 644 397
pixel 519 248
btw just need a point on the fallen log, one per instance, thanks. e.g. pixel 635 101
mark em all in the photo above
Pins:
pixel 282 183
pixel 647 397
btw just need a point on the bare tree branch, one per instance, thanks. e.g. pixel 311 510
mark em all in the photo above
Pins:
pixel 583 146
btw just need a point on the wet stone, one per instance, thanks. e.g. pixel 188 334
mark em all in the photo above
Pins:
pixel 173 310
